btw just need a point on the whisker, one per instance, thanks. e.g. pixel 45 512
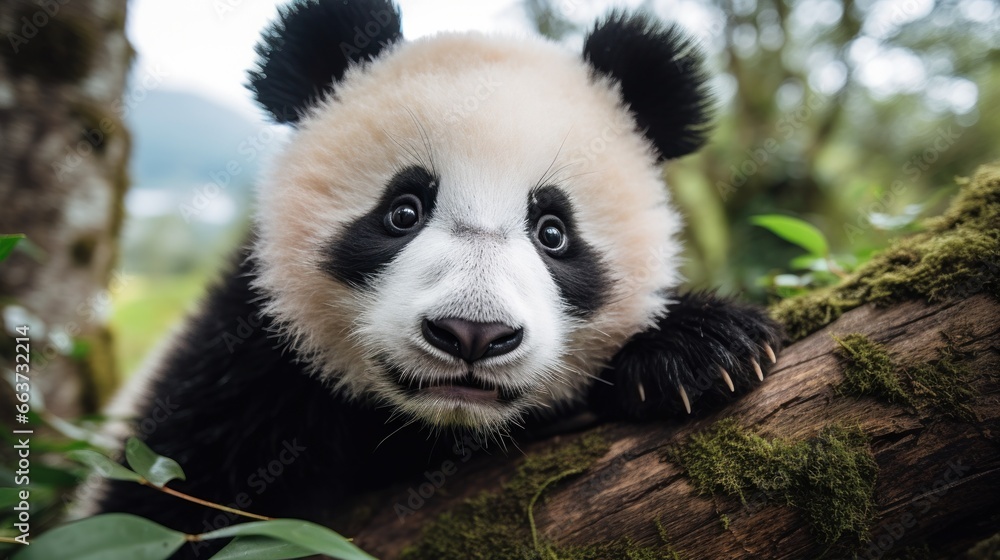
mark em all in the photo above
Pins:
pixel 545 175
pixel 396 431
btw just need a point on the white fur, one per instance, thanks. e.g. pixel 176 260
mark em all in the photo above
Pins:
pixel 493 117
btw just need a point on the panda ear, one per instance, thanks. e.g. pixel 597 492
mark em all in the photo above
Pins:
pixel 659 70
pixel 308 49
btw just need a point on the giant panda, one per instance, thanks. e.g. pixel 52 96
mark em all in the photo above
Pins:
pixel 465 234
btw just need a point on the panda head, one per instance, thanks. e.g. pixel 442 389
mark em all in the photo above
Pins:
pixel 468 227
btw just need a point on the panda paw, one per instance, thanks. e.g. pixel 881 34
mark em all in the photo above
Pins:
pixel 705 351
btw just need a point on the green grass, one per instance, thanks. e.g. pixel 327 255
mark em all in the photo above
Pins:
pixel 145 309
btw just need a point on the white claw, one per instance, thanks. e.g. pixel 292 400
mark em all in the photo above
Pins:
pixel 756 367
pixel 727 379
pixel 642 392
pixel 770 353
pixel 684 397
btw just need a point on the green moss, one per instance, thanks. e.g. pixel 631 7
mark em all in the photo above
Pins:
pixel 724 519
pixel 829 478
pixel 988 549
pixel 98 365
pixel 868 370
pixel 120 182
pixel 957 255
pixel 669 553
pixel 940 386
pixel 499 526
pixel 60 49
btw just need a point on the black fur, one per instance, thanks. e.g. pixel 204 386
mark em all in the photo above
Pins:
pixel 310 47
pixel 700 333
pixel 233 400
pixel 661 77
pixel 365 246
pixel 579 273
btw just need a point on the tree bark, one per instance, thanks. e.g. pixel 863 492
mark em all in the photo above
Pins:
pixel 63 156
pixel 937 483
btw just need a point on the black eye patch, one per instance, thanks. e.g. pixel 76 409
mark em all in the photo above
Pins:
pixel 578 270
pixel 365 246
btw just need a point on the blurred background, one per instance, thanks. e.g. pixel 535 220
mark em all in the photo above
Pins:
pixel 854 116
pixel 129 150
pixel 823 106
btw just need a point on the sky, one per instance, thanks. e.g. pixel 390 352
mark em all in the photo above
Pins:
pixel 206 46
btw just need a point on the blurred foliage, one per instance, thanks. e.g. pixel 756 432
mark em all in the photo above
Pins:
pixel 844 113
pixel 148 307
pixel 168 265
pixel 7 244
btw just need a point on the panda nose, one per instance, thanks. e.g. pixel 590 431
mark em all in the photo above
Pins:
pixel 471 341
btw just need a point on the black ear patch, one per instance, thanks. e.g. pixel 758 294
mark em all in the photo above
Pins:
pixel 660 72
pixel 310 47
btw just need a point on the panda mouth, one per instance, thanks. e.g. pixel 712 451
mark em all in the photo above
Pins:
pixel 466 388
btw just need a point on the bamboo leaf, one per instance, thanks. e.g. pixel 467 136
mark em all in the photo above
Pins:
pixel 103 465
pixel 114 536
pixel 261 548
pixel 796 231
pixel 314 538
pixel 155 468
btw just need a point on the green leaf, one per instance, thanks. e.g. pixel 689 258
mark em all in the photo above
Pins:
pixel 312 537
pixel 80 350
pixel 114 536
pixel 7 244
pixel 261 548
pixel 157 469
pixel 9 497
pixel 103 466
pixel 809 262
pixel 53 476
pixel 795 231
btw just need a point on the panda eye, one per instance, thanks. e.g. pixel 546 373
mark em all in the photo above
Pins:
pixel 405 214
pixel 551 235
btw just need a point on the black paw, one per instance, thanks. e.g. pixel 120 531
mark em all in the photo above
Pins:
pixel 705 351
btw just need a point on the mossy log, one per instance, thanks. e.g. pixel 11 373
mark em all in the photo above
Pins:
pixel 876 436
pixel 937 483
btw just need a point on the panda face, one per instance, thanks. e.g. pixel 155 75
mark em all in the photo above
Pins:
pixel 467 230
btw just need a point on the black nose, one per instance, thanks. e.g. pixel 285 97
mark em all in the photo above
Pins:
pixel 471 341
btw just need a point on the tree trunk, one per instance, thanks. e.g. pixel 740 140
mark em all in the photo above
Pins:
pixel 938 468
pixel 63 156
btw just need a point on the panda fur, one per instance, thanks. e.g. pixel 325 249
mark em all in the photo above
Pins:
pixel 465 234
